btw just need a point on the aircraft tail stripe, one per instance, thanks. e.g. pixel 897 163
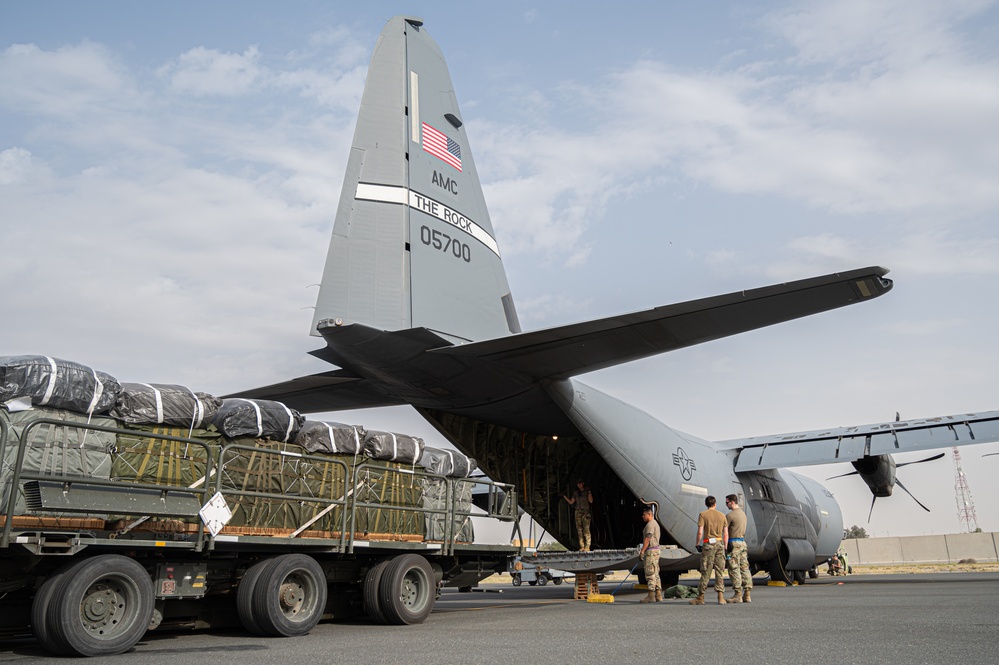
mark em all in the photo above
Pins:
pixel 425 204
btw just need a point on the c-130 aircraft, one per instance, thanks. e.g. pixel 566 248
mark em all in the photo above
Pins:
pixel 415 308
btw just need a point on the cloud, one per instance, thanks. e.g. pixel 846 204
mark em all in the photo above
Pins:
pixel 879 109
pixel 206 72
pixel 63 82
pixel 15 166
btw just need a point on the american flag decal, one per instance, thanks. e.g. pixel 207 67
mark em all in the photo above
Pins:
pixel 439 145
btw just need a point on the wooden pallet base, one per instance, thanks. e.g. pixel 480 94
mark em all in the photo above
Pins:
pixel 586 584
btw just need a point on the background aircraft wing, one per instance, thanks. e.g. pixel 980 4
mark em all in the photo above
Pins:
pixel 846 444
pixel 584 347
pixel 328 391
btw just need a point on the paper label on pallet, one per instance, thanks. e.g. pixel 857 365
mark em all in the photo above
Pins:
pixel 215 514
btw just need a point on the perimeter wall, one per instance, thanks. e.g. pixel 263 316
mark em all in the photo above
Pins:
pixel 982 547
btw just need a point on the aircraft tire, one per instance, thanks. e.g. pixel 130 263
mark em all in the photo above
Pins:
pixel 244 597
pixel 102 606
pixel 669 578
pixel 372 582
pixel 778 573
pixel 407 590
pixel 289 597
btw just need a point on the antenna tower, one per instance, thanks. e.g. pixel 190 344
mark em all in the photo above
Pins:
pixel 965 504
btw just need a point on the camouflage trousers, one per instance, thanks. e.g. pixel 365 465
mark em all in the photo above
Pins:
pixel 652 579
pixel 738 568
pixel 583 530
pixel 712 558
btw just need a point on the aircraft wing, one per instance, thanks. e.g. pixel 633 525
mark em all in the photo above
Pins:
pixel 584 347
pixel 328 391
pixel 846 444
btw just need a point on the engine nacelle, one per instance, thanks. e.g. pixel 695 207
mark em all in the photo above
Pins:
pixel 878 471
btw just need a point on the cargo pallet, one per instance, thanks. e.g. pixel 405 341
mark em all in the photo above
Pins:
pixel 163 554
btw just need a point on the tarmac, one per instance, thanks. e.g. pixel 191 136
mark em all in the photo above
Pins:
pixel 869 619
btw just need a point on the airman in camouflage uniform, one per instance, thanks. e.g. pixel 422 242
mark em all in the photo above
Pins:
pixel 712 540
pixel 649 555
pixel 738 559
pixel 581 500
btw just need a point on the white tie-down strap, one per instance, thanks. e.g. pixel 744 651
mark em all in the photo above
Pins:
pixel 158 397
pixel 450 459
pixel 291 422
pixel 50 388
pixel 395 447
pixel 198 415
pixel 260 419
pixel 98 391
pixel 329 429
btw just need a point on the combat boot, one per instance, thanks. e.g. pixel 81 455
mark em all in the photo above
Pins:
pixel 698 601
pixel 659 595
pixel 745 596
pixel 651 598
pixel 721 598
pixel 736 597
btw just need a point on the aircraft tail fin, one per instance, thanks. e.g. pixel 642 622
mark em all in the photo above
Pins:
pixel 412 243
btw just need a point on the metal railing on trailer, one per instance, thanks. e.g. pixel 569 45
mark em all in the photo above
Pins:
pixel 47 492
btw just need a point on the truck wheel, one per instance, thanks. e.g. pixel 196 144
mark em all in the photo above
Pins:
pixel 244 597
pixel 101 607
pixel 532 582
pixel 372 582
pixel 542 580
pixel 516 580
pixel 40 608
pixel 407 590
pixel 557 580
pixel 289 597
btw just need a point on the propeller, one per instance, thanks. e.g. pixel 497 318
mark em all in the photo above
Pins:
pixel 879 474
pixel 919 461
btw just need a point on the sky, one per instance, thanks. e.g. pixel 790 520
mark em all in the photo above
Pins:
pixel 169 174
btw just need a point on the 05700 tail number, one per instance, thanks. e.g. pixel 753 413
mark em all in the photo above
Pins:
pixel 445 243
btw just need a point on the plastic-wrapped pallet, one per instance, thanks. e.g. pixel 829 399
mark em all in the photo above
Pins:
pixel 150 459
pixel 447 462
pixel 63 450
pixel 59 384
pixel 392 447
pixel 335 438
pixel 434 497
pixel 171 405
pixel 259 418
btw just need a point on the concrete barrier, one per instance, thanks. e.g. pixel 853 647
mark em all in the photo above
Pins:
pixel 978 546
pixel 924 549
pixel 952 548
pixel 878 550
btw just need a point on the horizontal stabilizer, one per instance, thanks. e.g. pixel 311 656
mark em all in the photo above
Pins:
pixel 585 347
pixel 328 391
pixel 846 444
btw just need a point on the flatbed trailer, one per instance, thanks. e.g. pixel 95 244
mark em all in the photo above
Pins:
pixel 89 564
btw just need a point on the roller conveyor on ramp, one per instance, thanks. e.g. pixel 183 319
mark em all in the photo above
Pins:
pixel 598 561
